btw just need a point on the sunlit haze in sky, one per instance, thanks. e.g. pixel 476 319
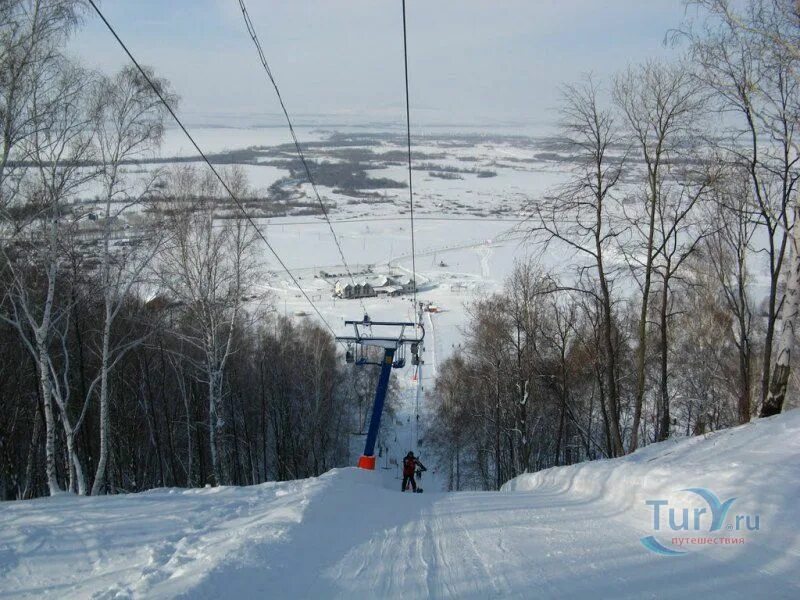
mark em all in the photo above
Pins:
pixel 471 62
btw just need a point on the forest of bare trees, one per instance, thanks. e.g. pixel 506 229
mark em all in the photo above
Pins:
pixel 678 314
pixel 135 357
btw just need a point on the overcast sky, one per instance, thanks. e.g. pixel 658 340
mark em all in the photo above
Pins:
pixel 477 62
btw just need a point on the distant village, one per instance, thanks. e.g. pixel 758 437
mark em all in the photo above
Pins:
pixel 382 286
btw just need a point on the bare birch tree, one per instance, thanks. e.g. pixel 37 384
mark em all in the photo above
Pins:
pixel 679 233
pixel 31 35
pixel 660 104
pixel 129 122
pixel 208 265
pixel 748 56
pixel 728 250
pixel 581 218
pixel 58 148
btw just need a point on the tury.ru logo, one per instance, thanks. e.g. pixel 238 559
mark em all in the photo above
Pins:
pixel 700 519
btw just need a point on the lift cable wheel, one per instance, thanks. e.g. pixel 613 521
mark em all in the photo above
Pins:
pixel 394 348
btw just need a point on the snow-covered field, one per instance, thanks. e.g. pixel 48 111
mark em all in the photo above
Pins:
pixel 475 263
pixel 468 230
pixel 573 532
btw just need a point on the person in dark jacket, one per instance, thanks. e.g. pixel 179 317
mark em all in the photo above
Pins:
pixel 410 465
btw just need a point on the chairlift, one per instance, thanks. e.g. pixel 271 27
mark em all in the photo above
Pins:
pixel 365 334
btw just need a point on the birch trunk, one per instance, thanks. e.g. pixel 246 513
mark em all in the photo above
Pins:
pixel 49 424
pixel 215 426
pixel 79 481
pixel 664 416
pixel 105 420
pixel 32 458
pixel 779 381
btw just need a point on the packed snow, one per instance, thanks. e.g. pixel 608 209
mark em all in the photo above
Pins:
pixel 570 532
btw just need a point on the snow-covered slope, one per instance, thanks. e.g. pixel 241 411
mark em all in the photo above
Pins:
pixel 572 532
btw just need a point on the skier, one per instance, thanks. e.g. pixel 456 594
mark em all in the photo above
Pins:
pixel 410 465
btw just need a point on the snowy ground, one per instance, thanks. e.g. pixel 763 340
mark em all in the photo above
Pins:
pixel 572 532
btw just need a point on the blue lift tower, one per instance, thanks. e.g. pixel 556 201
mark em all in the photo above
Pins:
pixel 394 356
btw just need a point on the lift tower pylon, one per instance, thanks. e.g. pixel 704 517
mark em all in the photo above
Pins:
pixel 393 357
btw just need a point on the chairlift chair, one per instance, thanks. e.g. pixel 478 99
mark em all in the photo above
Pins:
pixel 415 354
pixel 400 362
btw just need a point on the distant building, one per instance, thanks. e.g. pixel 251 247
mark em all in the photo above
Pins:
pixel 394 286
pixel 382 286
pixel 350 291
pixel 389 290
pixel 382 282
pixel 408 285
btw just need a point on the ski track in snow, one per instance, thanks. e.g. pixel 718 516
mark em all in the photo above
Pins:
pixel 571 532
